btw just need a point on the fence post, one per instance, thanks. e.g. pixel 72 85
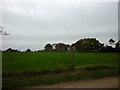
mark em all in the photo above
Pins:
pixel 73 58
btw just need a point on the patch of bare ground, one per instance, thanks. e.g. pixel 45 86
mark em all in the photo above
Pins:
pixel 109 82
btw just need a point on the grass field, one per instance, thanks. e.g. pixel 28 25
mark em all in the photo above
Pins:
pixel 16 67
pixel 19 62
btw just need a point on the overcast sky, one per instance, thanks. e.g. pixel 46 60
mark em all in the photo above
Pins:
pixel 34 24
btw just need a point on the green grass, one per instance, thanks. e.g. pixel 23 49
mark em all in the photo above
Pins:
pixel 19 62
pixel 27 69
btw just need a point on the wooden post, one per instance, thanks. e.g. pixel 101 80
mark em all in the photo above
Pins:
pixel 73 58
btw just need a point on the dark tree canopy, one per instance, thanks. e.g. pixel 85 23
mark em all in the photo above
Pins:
pixel 111 41
pixel 48 47
pixel 82 45
pixel 88 44
pixel 117 47
pixel 62 47
pixel 11 50
pixel 117 44
pixel 28 50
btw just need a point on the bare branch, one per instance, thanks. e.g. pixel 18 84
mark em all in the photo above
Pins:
pixel 3 32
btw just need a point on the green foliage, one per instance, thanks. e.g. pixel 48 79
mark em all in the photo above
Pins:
pixel 88 44
pixel 28 50
pixel 111 41
pixel 61 47
pixel 48 47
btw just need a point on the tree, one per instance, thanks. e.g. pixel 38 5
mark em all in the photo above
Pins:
pixel 108 49
pixel 28 50
pixel 112 42
pixel 11 50
pixel 62 47
pixel 117 47
pixel 48 47
pixel 88 44
pixel 117 44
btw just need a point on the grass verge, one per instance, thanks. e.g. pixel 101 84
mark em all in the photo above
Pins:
pixel 24 79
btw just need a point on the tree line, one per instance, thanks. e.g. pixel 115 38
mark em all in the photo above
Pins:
pixel 85 45
pixel 82 45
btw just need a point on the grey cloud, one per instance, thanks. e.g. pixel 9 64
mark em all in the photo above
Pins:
pixel 35 24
